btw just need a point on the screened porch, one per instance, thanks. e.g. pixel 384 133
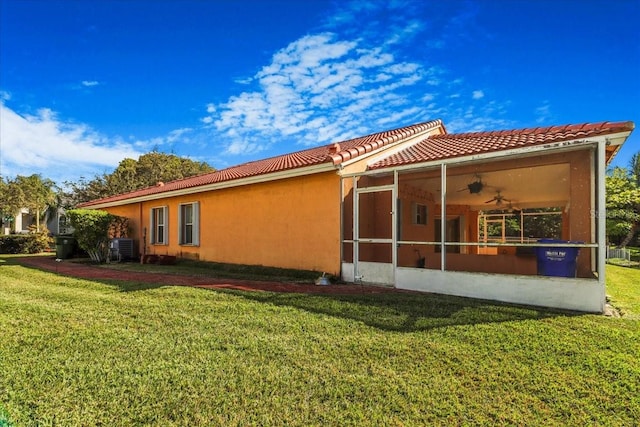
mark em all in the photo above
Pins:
pixel 483 229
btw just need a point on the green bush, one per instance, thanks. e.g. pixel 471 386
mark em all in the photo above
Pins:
pixel 32 243
pixel 93 229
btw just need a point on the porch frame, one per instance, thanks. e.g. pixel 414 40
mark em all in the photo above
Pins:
pixel 565 293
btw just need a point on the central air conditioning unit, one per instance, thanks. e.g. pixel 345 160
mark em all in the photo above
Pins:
pixel 121 249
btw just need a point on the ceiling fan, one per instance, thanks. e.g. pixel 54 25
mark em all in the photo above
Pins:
pixel 499 199
pixel 474 187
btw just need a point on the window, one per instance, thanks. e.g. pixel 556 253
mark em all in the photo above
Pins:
pixel 419 214
pixel 63 225
pixel 159 219
pixel 189 220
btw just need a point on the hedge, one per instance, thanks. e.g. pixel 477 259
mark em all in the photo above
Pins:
pixel 24 243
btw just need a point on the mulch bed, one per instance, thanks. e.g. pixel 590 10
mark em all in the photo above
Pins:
pixel 88 271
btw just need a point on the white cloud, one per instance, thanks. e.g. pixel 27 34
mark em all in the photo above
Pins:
pixel 543 113
pixel 343 84
pixel 178 135
pixel 477 117
pixel 407 32
pixel 60 151
pixel 4 96
pixel 477 94
pixel 243 81
pixel 362 74
pixel 90 83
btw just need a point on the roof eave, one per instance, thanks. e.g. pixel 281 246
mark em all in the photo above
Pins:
pixel 573 144
pixel 291 173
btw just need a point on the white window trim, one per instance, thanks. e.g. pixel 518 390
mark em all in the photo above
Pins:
pixel 416 218
pixel 195 225
pixel 153 226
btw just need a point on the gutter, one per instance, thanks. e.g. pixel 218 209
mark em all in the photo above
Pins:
pixel 292 173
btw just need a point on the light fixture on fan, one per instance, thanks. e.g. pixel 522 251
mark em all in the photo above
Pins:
pixel 499 199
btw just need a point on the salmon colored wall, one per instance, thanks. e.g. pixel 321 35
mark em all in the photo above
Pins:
pixel 500 263
pixel 289 223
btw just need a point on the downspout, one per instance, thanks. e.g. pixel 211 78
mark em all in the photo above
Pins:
pixel 356 232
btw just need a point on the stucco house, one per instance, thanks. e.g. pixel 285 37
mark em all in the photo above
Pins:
pixel 416 208
pixel 55 221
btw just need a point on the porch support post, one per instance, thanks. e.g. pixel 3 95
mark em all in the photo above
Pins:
pixel 394 225
pixel 601 215
pixel 443 215
pixel 355 228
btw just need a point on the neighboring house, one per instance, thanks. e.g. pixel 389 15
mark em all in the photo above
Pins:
pixel 380 208
pixel 21 222
pixel 57 222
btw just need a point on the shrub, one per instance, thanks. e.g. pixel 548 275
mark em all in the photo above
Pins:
pixel 92 230
pixel 31 243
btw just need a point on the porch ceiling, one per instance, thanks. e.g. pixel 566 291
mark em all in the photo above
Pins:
pixel 540 186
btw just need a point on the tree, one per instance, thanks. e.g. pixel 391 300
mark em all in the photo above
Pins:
pixel 6 214
pixel 84 191
pixel 32 192
pixel 131 175
pixel 623 201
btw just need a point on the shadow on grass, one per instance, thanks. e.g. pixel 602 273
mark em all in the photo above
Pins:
pixel 401 311
pixel 404 312
pixel 398 312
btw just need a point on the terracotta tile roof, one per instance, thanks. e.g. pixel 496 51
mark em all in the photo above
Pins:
pixel 439 147
pixel 334 153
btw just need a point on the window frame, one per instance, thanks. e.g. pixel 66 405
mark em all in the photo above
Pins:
pixel 154 226
pixel 419 213
pixel 194 224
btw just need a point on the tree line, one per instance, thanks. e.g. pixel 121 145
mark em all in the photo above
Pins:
pixel 623 203
pixel 41 195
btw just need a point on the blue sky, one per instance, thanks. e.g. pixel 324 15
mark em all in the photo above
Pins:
pixel 85 84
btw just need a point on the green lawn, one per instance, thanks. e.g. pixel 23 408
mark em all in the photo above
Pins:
pixel 78 352
pixel 214 270
pixel 623 287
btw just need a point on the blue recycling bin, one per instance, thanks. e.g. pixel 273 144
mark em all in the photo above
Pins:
pixel 557 261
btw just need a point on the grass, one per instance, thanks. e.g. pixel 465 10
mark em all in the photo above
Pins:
pixel 214 269
pixel 634 260
pixel 79 352
pixel 623 287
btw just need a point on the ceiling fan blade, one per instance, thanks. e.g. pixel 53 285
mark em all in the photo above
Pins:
pixel 492 200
